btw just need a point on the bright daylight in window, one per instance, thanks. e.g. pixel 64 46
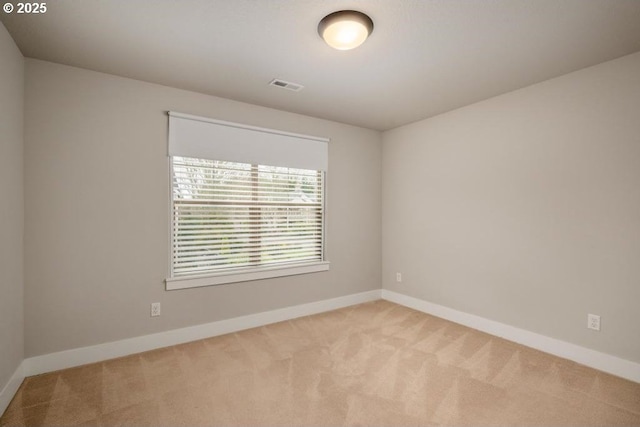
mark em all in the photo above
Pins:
pixel 230 216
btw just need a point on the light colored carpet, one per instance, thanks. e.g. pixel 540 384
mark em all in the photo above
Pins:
pixel 372 364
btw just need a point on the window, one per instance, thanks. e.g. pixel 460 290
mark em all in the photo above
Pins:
pixel 242 220
pixel 229 215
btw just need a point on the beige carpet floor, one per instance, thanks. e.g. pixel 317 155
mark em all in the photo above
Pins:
pixel 371 364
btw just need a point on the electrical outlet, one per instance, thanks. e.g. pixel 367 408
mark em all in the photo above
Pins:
pixel 155 309
pixel 398 277
pixel 593 322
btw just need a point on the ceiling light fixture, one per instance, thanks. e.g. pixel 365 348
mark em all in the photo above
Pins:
pixel 345 29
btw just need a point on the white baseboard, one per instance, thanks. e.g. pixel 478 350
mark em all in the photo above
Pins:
pixel 82 356
pixel 594 359
pixel 11 388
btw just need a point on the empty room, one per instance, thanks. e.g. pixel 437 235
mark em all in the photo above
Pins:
pixel 320 213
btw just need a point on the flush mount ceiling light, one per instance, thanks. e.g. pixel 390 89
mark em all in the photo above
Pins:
pixel 345 29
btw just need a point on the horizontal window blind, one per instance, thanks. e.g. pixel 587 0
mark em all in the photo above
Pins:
pixel 230 215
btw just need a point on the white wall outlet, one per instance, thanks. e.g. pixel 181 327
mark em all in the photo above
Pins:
pixel 593 322
pixel 155 309
pixel 398 277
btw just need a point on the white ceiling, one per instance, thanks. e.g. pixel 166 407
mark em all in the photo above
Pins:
pixel 423 58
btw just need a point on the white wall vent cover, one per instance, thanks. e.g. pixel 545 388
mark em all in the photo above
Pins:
pixel 286 85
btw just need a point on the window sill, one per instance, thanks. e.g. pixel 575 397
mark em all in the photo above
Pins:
pixel 245 275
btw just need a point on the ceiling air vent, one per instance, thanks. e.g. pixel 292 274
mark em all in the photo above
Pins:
pixel 286 85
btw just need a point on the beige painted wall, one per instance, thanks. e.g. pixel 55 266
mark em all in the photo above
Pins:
pixel 525 208
pixel 97 211
pixel 11 207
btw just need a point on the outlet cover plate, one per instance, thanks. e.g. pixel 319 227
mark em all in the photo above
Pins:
pixel 593 322
pixel 155 309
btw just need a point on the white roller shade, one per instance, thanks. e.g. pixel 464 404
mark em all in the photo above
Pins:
pixel 199 137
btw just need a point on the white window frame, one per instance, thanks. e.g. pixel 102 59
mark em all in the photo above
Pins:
pixel 291 158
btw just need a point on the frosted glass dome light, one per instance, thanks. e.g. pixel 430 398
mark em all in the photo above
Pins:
pixel 346 29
